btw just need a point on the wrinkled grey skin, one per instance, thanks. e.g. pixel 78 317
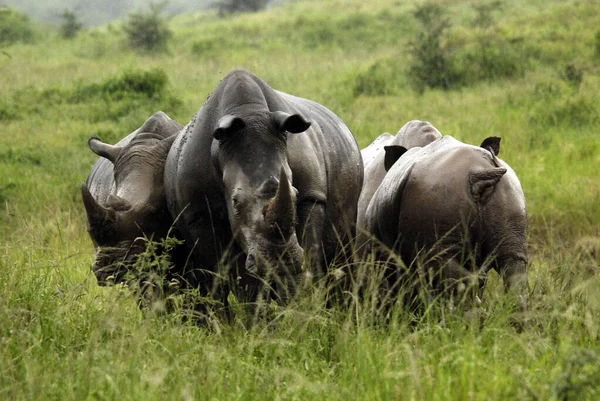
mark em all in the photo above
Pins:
pixel 414 133
pixel 124 197
pixel 260 181
pixel 456 208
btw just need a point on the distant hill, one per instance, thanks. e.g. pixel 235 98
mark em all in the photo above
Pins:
pixel 94 12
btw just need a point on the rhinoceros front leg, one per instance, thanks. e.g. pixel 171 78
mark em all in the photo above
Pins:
pixel 459 283
pixel 513 270
pixel 311 220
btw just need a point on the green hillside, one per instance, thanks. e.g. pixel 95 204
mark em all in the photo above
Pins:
pixel 527 71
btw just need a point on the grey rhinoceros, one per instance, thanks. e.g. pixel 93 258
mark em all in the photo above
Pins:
pixel 124 197
pixel 261 182
pixel 452 212
pixel 415 133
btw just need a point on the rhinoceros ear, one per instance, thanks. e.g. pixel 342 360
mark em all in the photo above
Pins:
pixel 100 148
pixel 493 144
pixel 227 125
pixel 293 123
pixel 168 141
pixel 392 154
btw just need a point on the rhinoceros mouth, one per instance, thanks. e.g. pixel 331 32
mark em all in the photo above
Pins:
pixel 280 258
pixel 113 264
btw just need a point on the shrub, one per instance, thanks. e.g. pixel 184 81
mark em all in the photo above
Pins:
pixel 132 95
pixel 572 75
pixel 14 27
pixel 148 30
pixel 9 111
pixel 149 83
pixel 433 63
pixel 492 58
pixel 382 78
pixel 70 25
pixel 555 104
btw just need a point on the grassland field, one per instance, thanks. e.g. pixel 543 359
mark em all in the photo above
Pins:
pixel 64 338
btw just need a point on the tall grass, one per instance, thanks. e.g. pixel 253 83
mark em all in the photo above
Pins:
pixel 63 337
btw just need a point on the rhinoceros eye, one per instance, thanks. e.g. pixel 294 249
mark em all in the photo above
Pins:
pixel 268 189
pixel 237 205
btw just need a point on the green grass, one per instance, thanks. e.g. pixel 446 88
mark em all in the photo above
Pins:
pixel 63 337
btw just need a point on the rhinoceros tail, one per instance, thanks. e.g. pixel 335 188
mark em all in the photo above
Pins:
pixel 484 182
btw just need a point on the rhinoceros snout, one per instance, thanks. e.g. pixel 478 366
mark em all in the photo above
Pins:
pixel 251 263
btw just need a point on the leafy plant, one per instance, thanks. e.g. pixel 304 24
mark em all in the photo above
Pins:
pixel 14 27
pixel 71 25
pixel 148 30
pixel 383 77
pixel 572 75
pixel 433 63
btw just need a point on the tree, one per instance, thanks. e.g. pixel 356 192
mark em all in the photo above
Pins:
pixel 70 25
pixel 148 30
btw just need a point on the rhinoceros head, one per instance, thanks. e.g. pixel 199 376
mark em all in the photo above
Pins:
pixel 260 198
pixel 134 210
pixel 416 133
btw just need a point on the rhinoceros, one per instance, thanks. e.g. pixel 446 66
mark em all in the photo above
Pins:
pixel 454 210
pixel 261 182
pixel 124 197
pixel 415 133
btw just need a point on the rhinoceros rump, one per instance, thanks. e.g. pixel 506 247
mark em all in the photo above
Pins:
pixel 455 210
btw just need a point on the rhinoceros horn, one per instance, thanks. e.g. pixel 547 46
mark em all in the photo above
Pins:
pixel 281 211
pixel 96 213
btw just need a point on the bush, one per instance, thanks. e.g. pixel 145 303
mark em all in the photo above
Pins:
pixel 148 30
pixel 433 63
pixel 70 25
pixel 133 95
pixel 237 6
pixel 14 27
pixel 572 75
pixel 492 58
pixel 382 78
pixel 556 104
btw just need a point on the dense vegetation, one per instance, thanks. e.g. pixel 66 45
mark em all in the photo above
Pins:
pixel 523 70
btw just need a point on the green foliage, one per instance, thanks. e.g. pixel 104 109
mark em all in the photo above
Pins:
pixel 70 25
pixel 572 75
pixel 9 111
pixel 433 63
pixel 150 278
pixel 558 105
pixel 383 77
pixel 206 46
pixel 149 84
pixel 133 92
pixel 148 30
pixel 597 44
pixel 14 27
pixel 581 377
pixel 240 6
pixel 492 58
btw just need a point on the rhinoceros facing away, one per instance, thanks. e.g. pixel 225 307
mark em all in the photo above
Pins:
pixel 124 197
pixel 260 180
pixel 453 209
pixel 413 134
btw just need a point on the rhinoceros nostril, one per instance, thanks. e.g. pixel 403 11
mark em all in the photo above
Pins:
pixel 251 264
